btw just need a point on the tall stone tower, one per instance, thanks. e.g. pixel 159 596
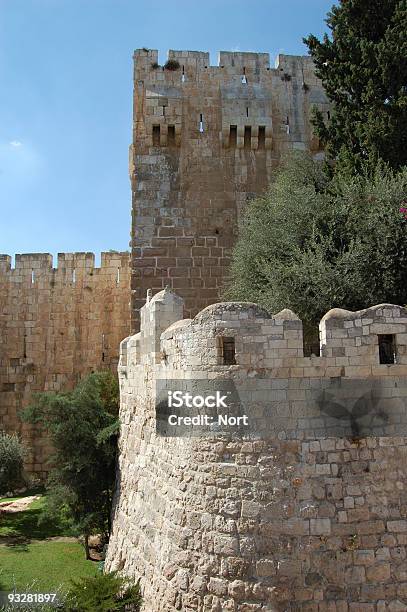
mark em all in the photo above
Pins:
pixel 205 140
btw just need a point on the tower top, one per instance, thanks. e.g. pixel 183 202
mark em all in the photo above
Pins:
pixel 230 61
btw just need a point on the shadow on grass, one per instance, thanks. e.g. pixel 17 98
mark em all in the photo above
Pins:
pixel 18 528
pixel 18 545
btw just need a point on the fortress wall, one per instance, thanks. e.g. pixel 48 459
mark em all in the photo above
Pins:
pixel 307 511
pixel 191 181
pixel 56 325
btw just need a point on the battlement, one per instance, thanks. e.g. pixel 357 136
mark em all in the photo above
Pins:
pixel 192 64
pixel 35 265
pixel 370 342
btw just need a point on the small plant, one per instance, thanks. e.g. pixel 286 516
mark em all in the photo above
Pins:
pixel 146 49
pixel 352 543
pixel 172 65
pixel 163 356
pixel 104 593
pixel 155 65
pixel 11 462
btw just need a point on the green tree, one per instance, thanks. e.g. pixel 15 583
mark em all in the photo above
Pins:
pixel 312 243
pixel 83 427
pixel 11 461
pixel 363 67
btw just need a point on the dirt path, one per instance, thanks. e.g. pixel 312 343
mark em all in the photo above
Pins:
pixel 18 505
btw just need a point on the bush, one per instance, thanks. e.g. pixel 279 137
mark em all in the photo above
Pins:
pixel 104 593
pixel 172 65
pixel 11 462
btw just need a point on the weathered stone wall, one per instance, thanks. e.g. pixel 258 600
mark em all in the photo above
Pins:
pixel 205 140
pixel 302 512
pixel 56 325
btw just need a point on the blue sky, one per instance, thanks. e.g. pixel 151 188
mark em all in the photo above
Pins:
pixel 65 102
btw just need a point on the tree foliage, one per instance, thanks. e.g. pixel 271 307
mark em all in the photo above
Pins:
pixel 312 242
pixel 83 427
pixel 11 461
pixel 363 67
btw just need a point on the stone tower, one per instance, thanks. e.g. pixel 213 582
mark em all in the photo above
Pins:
pixel 304 510
pixel 205 140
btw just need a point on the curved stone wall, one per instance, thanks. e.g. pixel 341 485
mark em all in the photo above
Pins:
pixel 308 514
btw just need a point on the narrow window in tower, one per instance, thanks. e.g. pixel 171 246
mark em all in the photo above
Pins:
pixel 328 114
pixel 244 79
pixel 183 74
pixel 201 128
pixel 387 349
pixel 156 135
pixel 262 137
pixel 118 277
pixel 171 136
pixel 247 111
pixel 32 277
pixel 233 136
pixel 228 351
pixel 103 347
pixel 248 137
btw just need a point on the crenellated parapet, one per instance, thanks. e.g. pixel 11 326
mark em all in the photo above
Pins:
pixel 370 342
pixel 70 267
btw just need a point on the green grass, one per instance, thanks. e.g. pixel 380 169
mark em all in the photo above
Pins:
pixel 49 564
pixel 24 525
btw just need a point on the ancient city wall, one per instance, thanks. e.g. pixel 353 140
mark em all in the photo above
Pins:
pixel 56 325
pixel 205 140
pixel 306 510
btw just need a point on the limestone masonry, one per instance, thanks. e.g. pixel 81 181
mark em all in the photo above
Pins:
pixel 308 510
pixel 57 324
pixel 205 140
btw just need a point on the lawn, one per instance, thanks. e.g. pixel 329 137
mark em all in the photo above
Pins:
pixel 50 564
pixel 27 555
pixel 24 525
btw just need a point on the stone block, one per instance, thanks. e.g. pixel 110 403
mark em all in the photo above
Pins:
pixel 320 526
pixel 379 572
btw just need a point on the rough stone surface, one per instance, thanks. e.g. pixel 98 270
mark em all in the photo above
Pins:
pixel 259 521
pixel 56 325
